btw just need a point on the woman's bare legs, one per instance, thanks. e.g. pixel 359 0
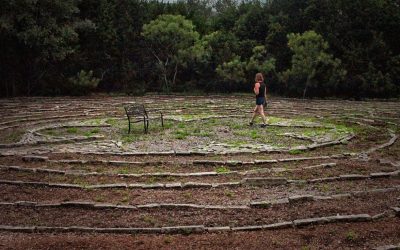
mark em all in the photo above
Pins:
pixel 254 115
pixel 261 109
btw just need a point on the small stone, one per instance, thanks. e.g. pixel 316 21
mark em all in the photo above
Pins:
pixel 217 229
pixel 261 204
pixel 310 221
pixel 379 175
pixel 264 161
pixel 77 204
pixel 397 211
pixel 173 185
pixel 322 198
pixel 152 186
pixel 64 185
pixel 353 177
pixel 388 247
pixel 101 186
pixel 350 218
pixel 300 198
pixel 34 158
pixel 196 185
pixel 280 201
pixel 152 205
pixel 17 229
pixel 341 196
pixel 184 229
pixel 280 225
pixel 125 207
pixel 226 184
pixel 247 228
pixel 259 181
pixel 25 203
pixel 321 180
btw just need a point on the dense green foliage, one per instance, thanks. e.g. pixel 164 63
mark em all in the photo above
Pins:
pixel 305 47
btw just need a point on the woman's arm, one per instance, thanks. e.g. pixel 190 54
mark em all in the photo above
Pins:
pixel 257 88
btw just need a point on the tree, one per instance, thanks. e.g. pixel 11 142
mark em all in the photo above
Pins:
pixel 41 34
pixel 167 35
pixel 260 62
pixel 310 56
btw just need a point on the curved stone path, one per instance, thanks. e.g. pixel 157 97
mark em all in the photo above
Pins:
pixel 67 166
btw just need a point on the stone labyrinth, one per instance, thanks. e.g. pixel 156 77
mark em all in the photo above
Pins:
pixel 323 173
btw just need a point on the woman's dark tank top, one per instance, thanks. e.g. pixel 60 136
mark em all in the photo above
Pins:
pixel 261 91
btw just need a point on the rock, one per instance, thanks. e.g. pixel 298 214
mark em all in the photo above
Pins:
pixel 152 186
pixel 217 229
pixel 152 205
pixel 101 186
pixel 247 228
pixel 280 201
pixel 226 184
pixel 260 181
pixel 322 198
pixel 388 247
pixel 300 198
pixel 350 218
pixel 126 207
pixel 173 185
pixel 104 206
pixel 396 210
pixel 17 229
pixel 64 185
pixel 353 177
pixel 234 163
pixel 280 225
pixel 184 229
pixel 310 221
pixel 264 161
pixel 261 204
pixel 379 175
pixel 196 185
pixel 34 158
pixel 25 203
pixel 77 204
pixel 327 179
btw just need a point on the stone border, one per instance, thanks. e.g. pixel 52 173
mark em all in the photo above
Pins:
pixel 54 141
pixel 38 158
pixel 191 229
pixel 388 247
pixel 163 174
pixel 256 181
pixel 296 199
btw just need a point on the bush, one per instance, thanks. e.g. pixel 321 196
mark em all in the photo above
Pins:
pixel 83 83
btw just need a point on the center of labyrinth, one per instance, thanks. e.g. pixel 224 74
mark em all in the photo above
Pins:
pixel 70 165
pixel 186 134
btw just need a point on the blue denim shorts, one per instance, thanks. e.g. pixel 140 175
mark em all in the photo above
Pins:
pixel 260 100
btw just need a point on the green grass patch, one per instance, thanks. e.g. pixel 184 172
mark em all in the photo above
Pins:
pixel 222 170
pixel 72 130
pixel 295 152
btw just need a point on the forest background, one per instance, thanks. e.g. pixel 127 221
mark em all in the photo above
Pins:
pixel 306 48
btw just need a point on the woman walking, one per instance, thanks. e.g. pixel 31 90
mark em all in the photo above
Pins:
pixel 260 90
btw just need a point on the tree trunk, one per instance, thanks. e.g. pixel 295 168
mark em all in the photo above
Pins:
pixel 305 88
pixel 175 73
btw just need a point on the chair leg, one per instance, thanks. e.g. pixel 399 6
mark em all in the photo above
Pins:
pixel 145 127
pixel 129 126
pixel 162 120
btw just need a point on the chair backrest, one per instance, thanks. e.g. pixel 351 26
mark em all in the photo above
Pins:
pixel 135 110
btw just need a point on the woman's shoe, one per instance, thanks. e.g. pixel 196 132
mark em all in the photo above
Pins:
pixel 263 125
pixel 250 124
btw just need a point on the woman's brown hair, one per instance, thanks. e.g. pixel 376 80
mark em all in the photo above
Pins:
pixel 259 77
